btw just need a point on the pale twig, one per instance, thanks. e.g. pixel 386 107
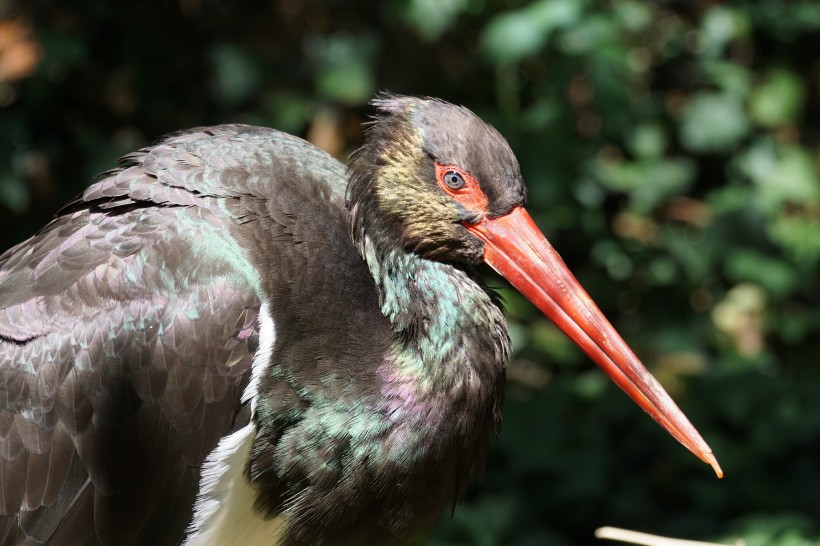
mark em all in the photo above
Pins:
pixel 644 539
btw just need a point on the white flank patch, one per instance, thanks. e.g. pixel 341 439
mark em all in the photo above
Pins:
pixel 223 514
pixel 261 360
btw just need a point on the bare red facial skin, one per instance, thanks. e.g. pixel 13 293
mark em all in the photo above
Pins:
pixel 470 195
pixel 519 252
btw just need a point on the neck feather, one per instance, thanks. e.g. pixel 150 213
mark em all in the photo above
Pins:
pixel 438 312
pixel 446 376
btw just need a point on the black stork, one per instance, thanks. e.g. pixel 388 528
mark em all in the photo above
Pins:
pixel 234 339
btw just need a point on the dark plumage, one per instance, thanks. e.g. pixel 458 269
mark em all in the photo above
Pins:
pixel 224 309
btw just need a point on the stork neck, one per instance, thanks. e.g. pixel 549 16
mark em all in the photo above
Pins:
pixel 451 348
pixel 429 303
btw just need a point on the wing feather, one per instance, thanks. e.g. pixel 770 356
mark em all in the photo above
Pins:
pixel 127 329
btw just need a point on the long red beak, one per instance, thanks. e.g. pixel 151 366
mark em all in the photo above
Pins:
pixel 516 249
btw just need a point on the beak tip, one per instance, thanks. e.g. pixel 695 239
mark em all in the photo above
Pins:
pixel 712 461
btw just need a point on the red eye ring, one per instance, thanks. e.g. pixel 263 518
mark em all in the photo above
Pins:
pixel 462 187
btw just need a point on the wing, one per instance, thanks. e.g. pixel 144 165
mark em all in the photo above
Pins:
pixel 127 329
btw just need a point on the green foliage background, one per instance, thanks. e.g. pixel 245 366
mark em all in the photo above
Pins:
pixel 671 149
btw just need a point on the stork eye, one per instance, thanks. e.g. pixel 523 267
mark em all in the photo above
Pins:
pixel 454 180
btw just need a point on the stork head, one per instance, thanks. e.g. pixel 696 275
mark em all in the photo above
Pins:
pixel 435 180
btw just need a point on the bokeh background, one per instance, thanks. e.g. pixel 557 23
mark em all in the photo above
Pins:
pixel 671 149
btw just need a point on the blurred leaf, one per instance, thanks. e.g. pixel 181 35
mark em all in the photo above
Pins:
pixel 515 35
pixel 542 114
pixel 663 271
pixel 13 193
pixel 778 100
pixel 713 123
pixel 632 15
pixel 721 25
pixel 771 273
pixel 794 323
pixel 786 20
pixel 740 315
pixel 512 36
pixel 775 530
pixel 729 199
pixel 519 337
pixel 609 254
pixel 552 342
pixel 236 75
pixel 648 141
pixel 648 182
pixel 289 112
pixel 343 66
pixel 799 234
pixel 590 34
pixel 781 174
pixel 431 18
pixel 590 385
pixel 733 79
